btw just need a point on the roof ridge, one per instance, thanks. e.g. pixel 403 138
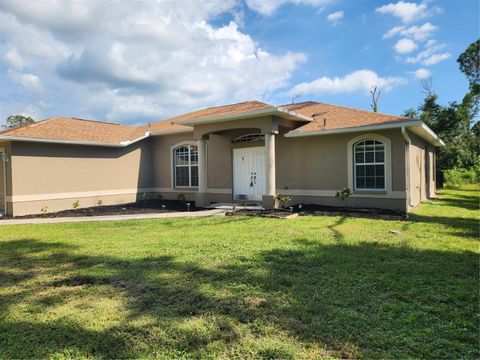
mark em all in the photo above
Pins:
pixel 349 108
pixel 97 121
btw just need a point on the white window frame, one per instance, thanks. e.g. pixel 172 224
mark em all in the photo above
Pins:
pixel 355 164
pixel 387 190
pixel 247 138
pixel 189 165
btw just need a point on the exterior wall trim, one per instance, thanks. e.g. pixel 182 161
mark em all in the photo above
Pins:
pixel 388 163
pixel 85 194
pixel 331 193
pixel 172 173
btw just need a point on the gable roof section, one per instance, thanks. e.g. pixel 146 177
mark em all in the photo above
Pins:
pixel 333 119
pixel 317 119
pixel 76 131
pixel 330 117
pixel 243 110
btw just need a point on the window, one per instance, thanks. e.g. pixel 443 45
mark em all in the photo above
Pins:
pixel 185 166
pixel 369 165
pixel 249 138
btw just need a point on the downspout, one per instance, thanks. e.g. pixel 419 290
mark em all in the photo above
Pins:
pixel 4 160
pixel 408 165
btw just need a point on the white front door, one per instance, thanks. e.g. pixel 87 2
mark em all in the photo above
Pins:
pixel 249 173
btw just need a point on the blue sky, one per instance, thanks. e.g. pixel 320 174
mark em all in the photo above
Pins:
pixel 134 62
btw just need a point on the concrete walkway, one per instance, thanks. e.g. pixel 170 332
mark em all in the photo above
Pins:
pixel 166 215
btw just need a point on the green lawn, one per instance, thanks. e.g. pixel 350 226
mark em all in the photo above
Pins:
pixel 312 287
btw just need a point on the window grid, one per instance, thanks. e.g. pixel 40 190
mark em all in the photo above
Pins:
pixel 186 166
pixel 369 165
pixel 249 138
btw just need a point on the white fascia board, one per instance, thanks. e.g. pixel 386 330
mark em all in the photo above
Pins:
pixel 130 142
pixel 299 133
pixel 246 115
pixel 171 132
pixel 439 142
pixel 54 141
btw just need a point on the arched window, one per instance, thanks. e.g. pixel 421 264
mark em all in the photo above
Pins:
pixel 249 138
pixel 185 166
pixel 369 165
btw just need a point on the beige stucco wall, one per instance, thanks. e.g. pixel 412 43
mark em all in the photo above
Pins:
pixel 7 147
pixel 2 183
pixel 320 162
pixel 312 168
pixel 317 163
pixel 422 157
pixel 42 173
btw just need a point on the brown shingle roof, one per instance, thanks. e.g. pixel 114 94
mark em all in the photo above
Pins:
pixel 232 109
pixel 80 130
pixel 330 117
pixel 77 130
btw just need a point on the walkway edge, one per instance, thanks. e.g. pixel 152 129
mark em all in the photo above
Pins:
pixel 168 215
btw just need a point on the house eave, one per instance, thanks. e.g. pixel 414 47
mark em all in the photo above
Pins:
pixel 69 142
pixel 277 111
pixel 417 126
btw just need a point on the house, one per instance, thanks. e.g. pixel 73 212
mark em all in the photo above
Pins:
pixel 245 151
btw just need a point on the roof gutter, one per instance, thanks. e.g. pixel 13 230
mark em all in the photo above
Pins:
pixel 299 133
pixel 169 132
pixel 67 142
pixel 246 115
pixel 408 144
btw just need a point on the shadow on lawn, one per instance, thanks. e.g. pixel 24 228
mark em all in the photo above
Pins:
pixel 363 300
pixel 467 227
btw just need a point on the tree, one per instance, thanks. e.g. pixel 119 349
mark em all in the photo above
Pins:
pixel 15 121
pixel 375 96
pixel 469 63
pixel 453 123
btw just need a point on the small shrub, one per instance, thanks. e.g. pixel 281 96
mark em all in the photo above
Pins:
pixel 99 202
pixel 343 195
pixel 181 197
pixel 44 209
pixel 281 200
pixel 145 196
pixel 76 204
pixel 457 177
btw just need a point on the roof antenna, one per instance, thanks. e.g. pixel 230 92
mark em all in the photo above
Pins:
pixel 295 97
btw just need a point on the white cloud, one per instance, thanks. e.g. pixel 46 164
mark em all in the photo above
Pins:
pixel 268 7
pixel 28 81
pixel 417 33
pixel 436 58
pixel 335 16
pixel 422 74
pixel 406 11
pixel 431 55
pixel 31 111
pixel 134 60
pixel 14 59
pixel 405 46
pixel 393 31
pixel 357 81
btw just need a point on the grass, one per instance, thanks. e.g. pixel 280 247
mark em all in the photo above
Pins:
pixel 312 287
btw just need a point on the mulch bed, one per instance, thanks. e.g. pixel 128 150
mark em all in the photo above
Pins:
pixel 141 207
pixel 318 210
pixel 274 214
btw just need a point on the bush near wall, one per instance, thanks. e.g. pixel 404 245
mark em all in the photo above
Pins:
pixel 457 177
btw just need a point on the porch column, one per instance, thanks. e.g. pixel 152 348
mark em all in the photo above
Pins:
pixel 200 198
pixel 202 165
pixel 270 186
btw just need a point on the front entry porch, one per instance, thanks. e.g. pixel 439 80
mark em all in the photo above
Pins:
pixel 251 164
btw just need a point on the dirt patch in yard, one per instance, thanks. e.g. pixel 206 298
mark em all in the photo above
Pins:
pixel 141 207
